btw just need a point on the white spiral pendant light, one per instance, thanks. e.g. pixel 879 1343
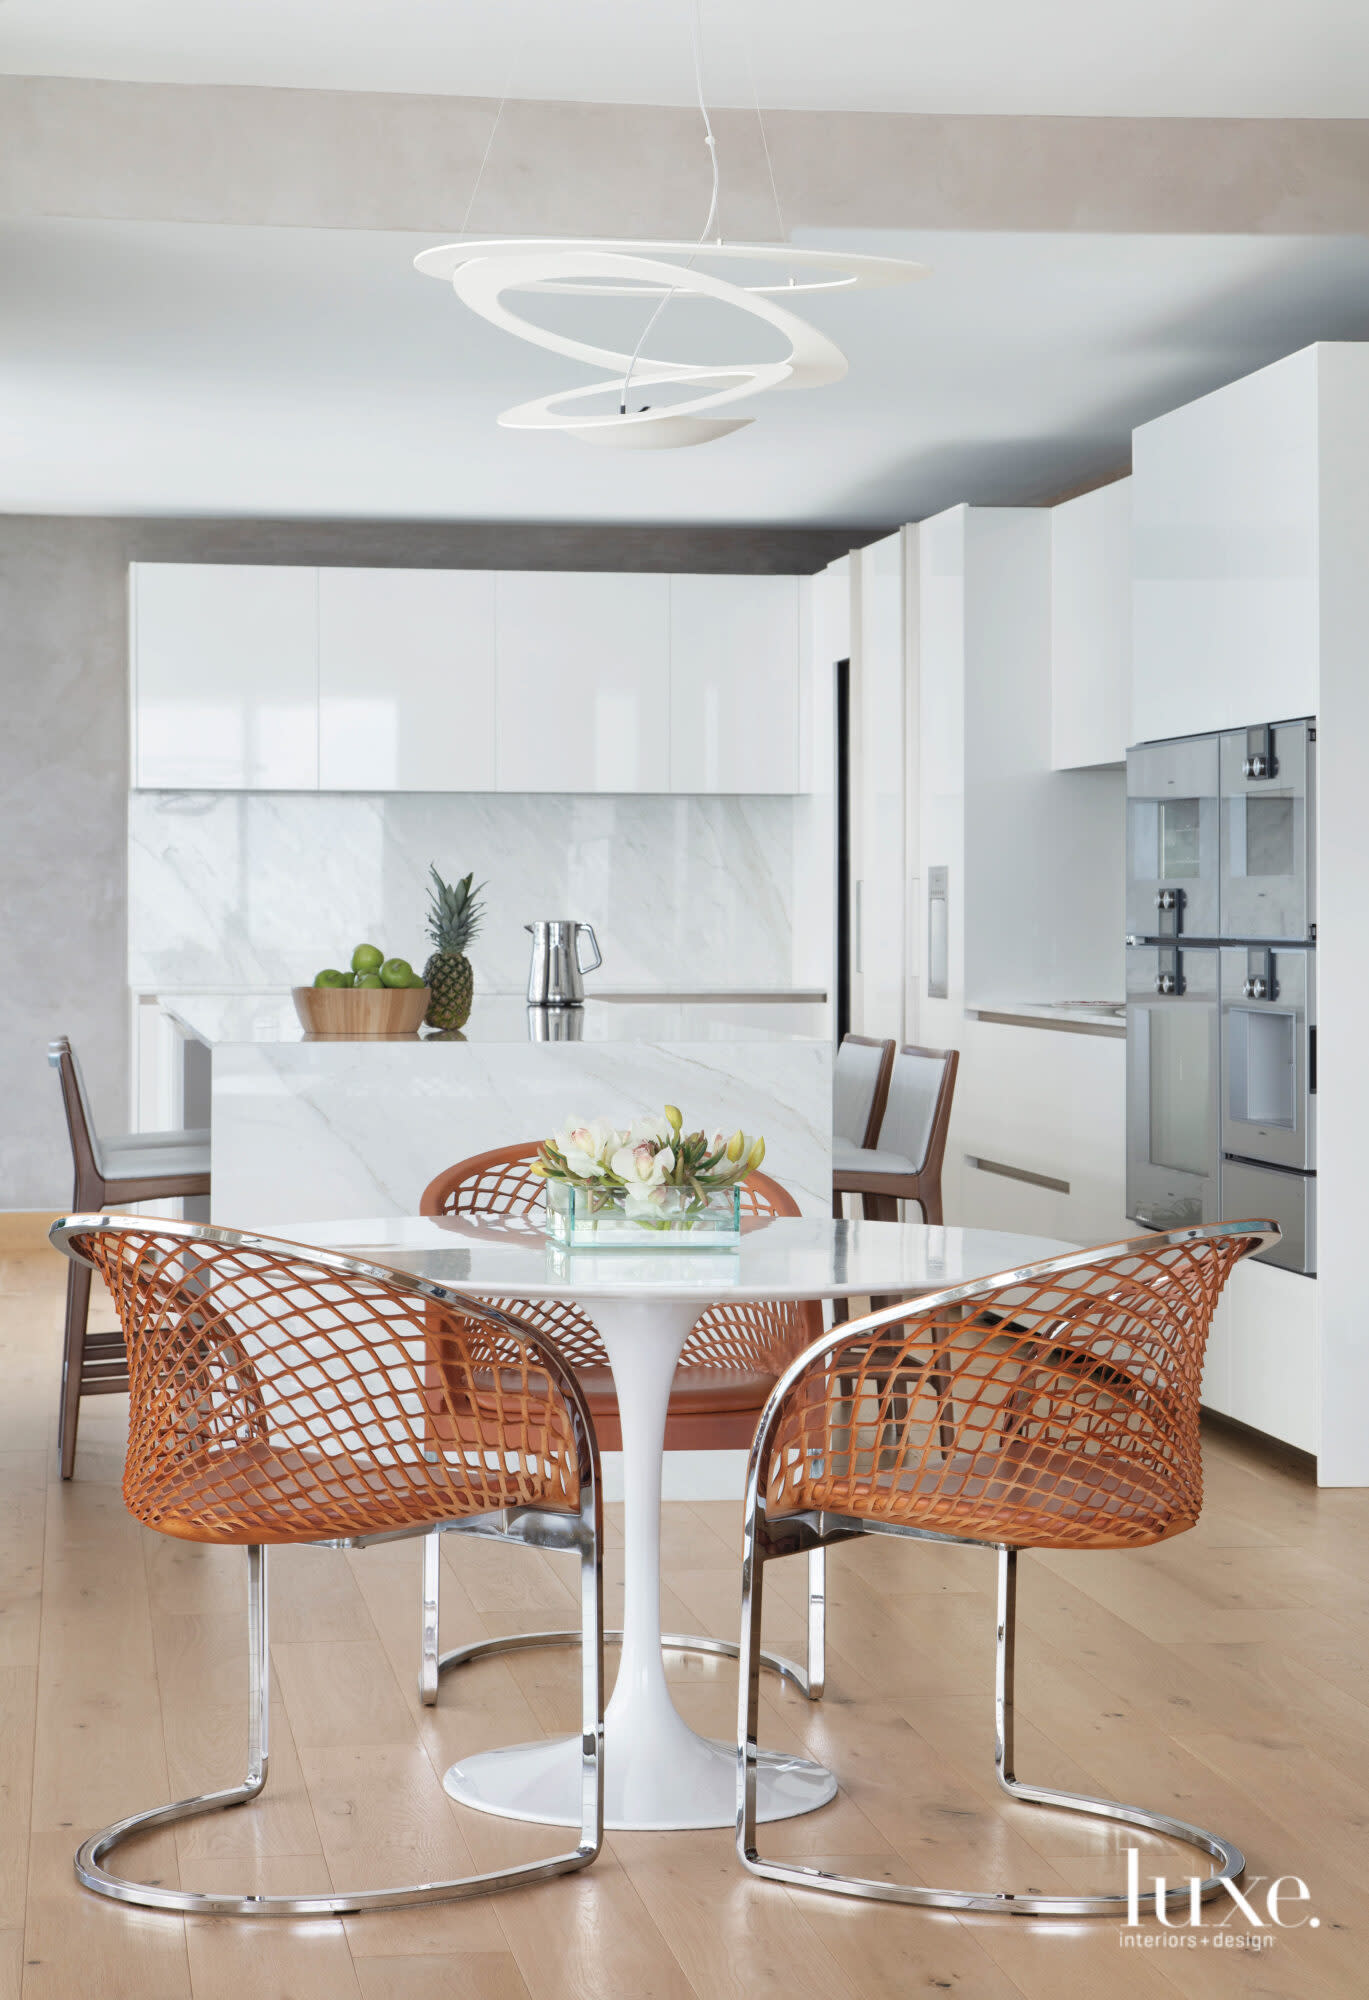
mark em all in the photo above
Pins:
pixel 481 273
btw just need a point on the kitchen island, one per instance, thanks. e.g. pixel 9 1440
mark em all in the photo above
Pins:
pixel 307 1130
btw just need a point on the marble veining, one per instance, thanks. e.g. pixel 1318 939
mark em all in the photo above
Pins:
pixel 260 889
pixel 320 1130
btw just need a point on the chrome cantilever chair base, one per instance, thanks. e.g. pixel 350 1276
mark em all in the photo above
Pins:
pixel 569 1533
pixel 795 1532
pixel 810 1680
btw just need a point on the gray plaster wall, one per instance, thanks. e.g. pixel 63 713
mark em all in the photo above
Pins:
pixel 64 756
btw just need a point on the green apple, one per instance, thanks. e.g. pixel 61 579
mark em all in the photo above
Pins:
pixel 330 976
pixel 367 958
pixel 396 972
pixel 417 979
pixel 370 980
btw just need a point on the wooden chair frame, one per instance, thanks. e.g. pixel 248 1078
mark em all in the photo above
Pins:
pixel 95 1364
pixel 882 1193
pixel 195 1394
pixel 577 1341
pixel 1097 1352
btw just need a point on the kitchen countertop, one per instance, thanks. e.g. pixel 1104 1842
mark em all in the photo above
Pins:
pixel 233 1019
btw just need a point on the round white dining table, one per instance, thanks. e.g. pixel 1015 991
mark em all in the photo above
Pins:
pixel 659 1774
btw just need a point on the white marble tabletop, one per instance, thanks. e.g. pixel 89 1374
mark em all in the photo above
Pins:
pixel 800 1257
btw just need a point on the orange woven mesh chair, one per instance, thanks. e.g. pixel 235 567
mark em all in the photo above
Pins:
pixel 280 1396
pixel 731 1361
pixel 1052 1407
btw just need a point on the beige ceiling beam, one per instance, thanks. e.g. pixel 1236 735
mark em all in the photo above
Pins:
pixel 353 160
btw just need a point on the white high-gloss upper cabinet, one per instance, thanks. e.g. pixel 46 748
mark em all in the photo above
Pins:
pixel 1091 628
pixel 1225 507
pixel 406 680
pixel 583 681
pixel 225 676
pixel 734 683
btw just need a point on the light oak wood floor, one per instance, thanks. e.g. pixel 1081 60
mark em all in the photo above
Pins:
pixel 1221 1677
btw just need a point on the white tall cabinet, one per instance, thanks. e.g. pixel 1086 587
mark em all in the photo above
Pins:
pixel 1251 511
pixel 1225 502
pixel 1091 628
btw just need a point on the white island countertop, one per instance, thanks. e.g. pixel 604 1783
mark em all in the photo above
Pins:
pixel 227 1019
pixel 319 1128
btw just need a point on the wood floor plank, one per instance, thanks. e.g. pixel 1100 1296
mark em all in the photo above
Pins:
pixel 474 1975
pixel 98 1740
pixel 79 1944
pixel 18 1718
pixel 268 1958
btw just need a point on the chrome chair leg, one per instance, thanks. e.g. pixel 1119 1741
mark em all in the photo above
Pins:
pixel 1230 1861
pixel 90 1859
pixel 809 1681
pixel 817 1624
pixel 429 1663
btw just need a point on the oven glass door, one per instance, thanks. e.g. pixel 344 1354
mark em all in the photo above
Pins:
pixel 1267 779
pixel 1173 848
pixel 1172 1086
pixel 1267 1027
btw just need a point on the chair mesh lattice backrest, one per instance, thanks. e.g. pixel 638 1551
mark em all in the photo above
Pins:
pixel 762 1336
pixel 1060 1411
pixel 275 1399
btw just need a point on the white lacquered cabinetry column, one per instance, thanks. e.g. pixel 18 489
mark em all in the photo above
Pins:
pixel 734 684
pixel 406 680
pixel 225 676
pixel 583 681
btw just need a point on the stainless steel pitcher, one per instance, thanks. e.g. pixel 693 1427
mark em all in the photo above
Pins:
pixel 554 978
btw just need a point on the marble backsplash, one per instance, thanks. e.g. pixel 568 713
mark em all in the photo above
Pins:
pixel 260 889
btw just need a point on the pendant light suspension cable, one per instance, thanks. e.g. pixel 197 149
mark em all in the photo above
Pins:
pixel 756 100
pixel 499 113
pixel 710 221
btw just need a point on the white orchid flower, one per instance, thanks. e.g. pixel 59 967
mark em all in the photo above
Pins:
pixel 648 1128
pixel 642 1166
pixel 587 1146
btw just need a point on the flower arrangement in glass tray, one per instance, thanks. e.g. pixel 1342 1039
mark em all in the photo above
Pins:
pixel 653 1184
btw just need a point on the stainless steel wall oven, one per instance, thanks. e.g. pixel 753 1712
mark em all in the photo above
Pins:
pixel 1221 982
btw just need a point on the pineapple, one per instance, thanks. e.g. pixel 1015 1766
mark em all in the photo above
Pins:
pixel 453 920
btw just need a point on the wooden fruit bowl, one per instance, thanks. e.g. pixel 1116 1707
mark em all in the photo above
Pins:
pixel 353 1013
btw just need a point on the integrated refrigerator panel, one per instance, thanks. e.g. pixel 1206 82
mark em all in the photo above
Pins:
pixel 1173 857
pixel 1173 1085
pixel 1268 816
pixel 1255 1193
pixel 1268 1054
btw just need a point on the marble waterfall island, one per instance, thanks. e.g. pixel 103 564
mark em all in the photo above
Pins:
pixel 307 1131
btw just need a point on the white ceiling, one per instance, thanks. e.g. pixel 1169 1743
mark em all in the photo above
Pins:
pixel 1208 58
pixel 166 368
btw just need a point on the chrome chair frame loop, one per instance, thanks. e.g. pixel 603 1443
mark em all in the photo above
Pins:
pixel 790 1534
pixel 580 1534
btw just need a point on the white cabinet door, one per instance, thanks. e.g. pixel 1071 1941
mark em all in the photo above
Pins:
pixel 582 681
pixel 225 677
pixel 406 680
pixel 1226 513
pixel 1091 628
pixel 734 683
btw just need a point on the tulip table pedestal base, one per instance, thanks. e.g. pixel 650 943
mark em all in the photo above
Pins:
pixel 659 1775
